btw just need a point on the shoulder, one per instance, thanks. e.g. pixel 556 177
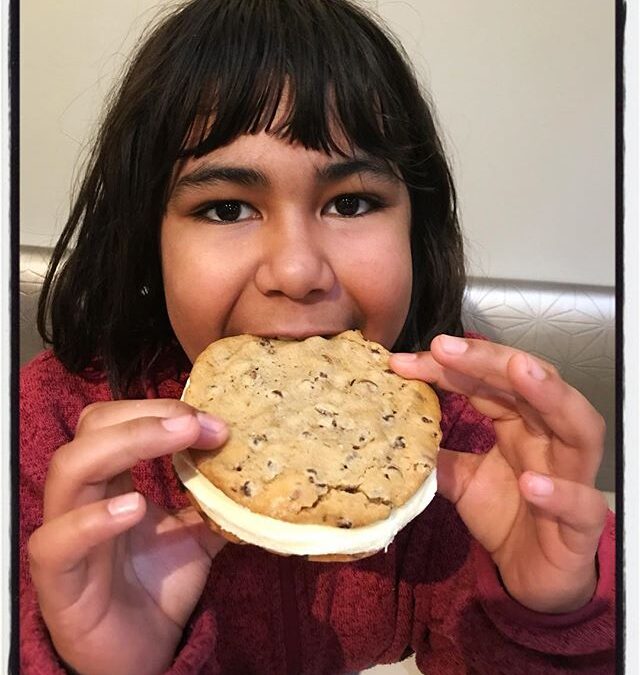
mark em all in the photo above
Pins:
pixel 46 383
pixel 51 399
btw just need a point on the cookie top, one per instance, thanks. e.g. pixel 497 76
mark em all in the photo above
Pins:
pixel 322 431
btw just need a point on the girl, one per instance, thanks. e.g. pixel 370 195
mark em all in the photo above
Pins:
pixel 272 168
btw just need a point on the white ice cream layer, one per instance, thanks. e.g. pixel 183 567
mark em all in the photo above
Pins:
pixel 294 538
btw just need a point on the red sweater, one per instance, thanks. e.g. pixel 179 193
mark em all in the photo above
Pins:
pixel 434 592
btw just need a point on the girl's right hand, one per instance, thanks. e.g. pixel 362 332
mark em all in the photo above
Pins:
pixel 117 578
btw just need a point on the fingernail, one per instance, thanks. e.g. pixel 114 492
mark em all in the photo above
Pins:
pixel 536 371
pixel 403 357
pixel 540 485
pixel 124 504
pixel 176 423
pixel 210 423
pixel 453 345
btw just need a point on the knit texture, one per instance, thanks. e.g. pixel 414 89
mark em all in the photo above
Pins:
pixel 435 591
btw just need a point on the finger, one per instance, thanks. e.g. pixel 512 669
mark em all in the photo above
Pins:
pixel 79 471
pixel 579 510
pixel 488 400
pixel 455 471
pixel 107 413
pixel 564 409
pixel 58 550
pixel 211 542
pixel 502 382
pixel 481 361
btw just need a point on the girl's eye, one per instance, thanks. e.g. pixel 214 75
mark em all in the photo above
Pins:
pixel 228 211
pixel 349 206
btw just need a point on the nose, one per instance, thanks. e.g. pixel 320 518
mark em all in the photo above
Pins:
pixel 294 262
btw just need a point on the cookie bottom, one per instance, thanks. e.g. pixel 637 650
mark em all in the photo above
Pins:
pixel 336 557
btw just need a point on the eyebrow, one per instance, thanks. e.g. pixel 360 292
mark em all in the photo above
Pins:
pixel 336 171
pixel 210 174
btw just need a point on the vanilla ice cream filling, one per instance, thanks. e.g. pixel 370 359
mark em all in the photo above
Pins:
pixel 294 538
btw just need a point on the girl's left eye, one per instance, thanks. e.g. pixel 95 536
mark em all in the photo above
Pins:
pixel 229 211
pixel 349 206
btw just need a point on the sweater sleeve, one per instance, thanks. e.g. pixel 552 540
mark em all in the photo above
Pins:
pixel 463 618
pixel 50 402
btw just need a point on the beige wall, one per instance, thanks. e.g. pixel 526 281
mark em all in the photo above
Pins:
pixel 524 92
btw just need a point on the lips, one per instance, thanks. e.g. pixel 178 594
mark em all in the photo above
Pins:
pixel 299 335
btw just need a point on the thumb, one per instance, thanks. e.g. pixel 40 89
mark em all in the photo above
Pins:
pixel 455 471
pixel 580 510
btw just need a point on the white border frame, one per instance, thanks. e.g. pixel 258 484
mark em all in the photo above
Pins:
pixel 631 351
pixel 631 257
pixel 5 345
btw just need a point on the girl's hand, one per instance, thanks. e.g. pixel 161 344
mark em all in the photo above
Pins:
pixel 117 578
pixel 530 501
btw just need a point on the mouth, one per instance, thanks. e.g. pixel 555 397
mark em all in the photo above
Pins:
pixel 299 335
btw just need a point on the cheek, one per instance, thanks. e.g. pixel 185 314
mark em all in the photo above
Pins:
pixel 198 289
pixel 379 278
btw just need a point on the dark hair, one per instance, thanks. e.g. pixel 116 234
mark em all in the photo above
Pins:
pixel 231 60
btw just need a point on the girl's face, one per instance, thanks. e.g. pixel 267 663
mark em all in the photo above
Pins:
pixel 265 237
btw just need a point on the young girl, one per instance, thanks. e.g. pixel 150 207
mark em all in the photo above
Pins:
pixel 271 167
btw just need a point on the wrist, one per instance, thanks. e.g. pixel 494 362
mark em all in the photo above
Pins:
pixel 565 594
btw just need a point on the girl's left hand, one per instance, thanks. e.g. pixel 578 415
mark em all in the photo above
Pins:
pixel 530 501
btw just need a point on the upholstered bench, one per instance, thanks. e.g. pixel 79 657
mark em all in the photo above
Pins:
pixel 569 325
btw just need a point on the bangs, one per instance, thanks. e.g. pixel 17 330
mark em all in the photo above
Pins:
pixel 313 72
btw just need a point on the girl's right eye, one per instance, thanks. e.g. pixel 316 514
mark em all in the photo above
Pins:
pixel 227 211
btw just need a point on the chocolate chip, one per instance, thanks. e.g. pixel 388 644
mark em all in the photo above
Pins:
pixel 427 420
pixel 324 411
pixel 344 523
pixel 265 342
pixel 277 392
pixel 399 442
pixel 247 489
pixel 388 417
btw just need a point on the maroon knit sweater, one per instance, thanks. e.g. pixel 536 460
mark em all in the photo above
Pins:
pixel 434 592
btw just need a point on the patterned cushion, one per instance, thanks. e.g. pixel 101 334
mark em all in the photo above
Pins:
pixel 569 325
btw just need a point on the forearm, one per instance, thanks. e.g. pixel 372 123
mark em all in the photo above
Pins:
pixel 195 655
pixel 463 618
pixel 586 632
